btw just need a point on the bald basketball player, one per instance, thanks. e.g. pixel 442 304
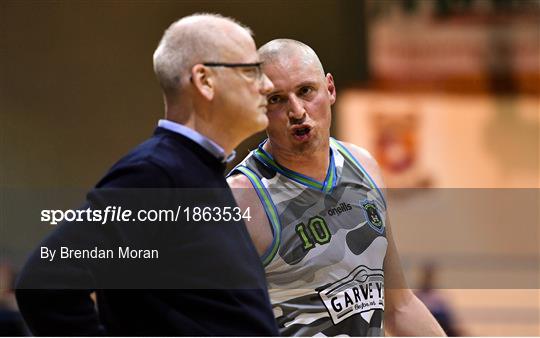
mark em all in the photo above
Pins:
pixel 320 218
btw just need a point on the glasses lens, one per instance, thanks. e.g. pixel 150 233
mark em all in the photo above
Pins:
pixel 259 72
pixel 252 72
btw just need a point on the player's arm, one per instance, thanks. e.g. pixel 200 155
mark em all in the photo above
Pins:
pixel 404 314
pixel 246 197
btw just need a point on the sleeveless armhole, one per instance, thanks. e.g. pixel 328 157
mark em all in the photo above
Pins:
pixel 269 208
pixel 345 152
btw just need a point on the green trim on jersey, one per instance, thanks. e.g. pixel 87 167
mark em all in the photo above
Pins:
pixel 330 180
pixel 289 173
pixel 270 211
pixel 326 186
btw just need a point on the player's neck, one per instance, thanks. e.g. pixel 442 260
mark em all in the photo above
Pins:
pixel 313 163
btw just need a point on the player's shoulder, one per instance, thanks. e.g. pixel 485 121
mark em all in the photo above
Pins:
pixel 366 160
pixel 238 180
pixel 360 153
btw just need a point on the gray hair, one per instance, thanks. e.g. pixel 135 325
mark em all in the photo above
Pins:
pixel 184 44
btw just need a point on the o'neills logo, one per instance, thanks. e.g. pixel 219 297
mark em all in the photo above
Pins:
pixel 342 207
pixel 361 291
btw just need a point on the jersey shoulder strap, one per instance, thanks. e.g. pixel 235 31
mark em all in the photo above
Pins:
pixel 269 208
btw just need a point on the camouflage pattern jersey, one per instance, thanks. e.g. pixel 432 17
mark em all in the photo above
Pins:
pixel 325 264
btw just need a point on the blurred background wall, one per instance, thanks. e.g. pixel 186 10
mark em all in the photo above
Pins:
pixel 77 83
pixel 451 111
pixel 444 93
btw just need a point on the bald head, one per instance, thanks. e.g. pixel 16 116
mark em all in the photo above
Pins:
pixel 282 50
pixel 194 39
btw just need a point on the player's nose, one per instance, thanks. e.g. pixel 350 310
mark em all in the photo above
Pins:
pixel 296 108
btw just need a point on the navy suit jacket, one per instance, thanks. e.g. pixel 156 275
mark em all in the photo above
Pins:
pixel 205 260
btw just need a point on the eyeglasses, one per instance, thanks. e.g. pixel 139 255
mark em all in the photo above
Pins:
pixel 252 71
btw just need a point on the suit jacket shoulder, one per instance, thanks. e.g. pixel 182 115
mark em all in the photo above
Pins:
pixel 167 160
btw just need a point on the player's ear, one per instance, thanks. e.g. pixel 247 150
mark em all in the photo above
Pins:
pixel 331 88
pixel 202 79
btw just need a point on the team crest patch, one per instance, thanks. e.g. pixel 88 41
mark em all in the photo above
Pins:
pixel 373 215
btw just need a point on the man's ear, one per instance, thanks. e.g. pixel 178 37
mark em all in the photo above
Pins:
pixel 203 81
pixel 331 88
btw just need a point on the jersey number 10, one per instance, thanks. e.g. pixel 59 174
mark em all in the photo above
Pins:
pixel 315 232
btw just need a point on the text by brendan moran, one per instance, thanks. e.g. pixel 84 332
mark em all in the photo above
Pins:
pixel 123 252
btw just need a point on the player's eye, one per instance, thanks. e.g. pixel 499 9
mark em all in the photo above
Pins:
pixel 274 99
pixel 305 91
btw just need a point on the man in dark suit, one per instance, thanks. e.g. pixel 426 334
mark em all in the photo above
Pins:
pixel 211 280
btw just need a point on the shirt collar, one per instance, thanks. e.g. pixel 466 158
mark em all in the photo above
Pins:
pixel 198 138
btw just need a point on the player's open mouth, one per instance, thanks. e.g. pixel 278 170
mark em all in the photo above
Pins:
pixel 301 133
